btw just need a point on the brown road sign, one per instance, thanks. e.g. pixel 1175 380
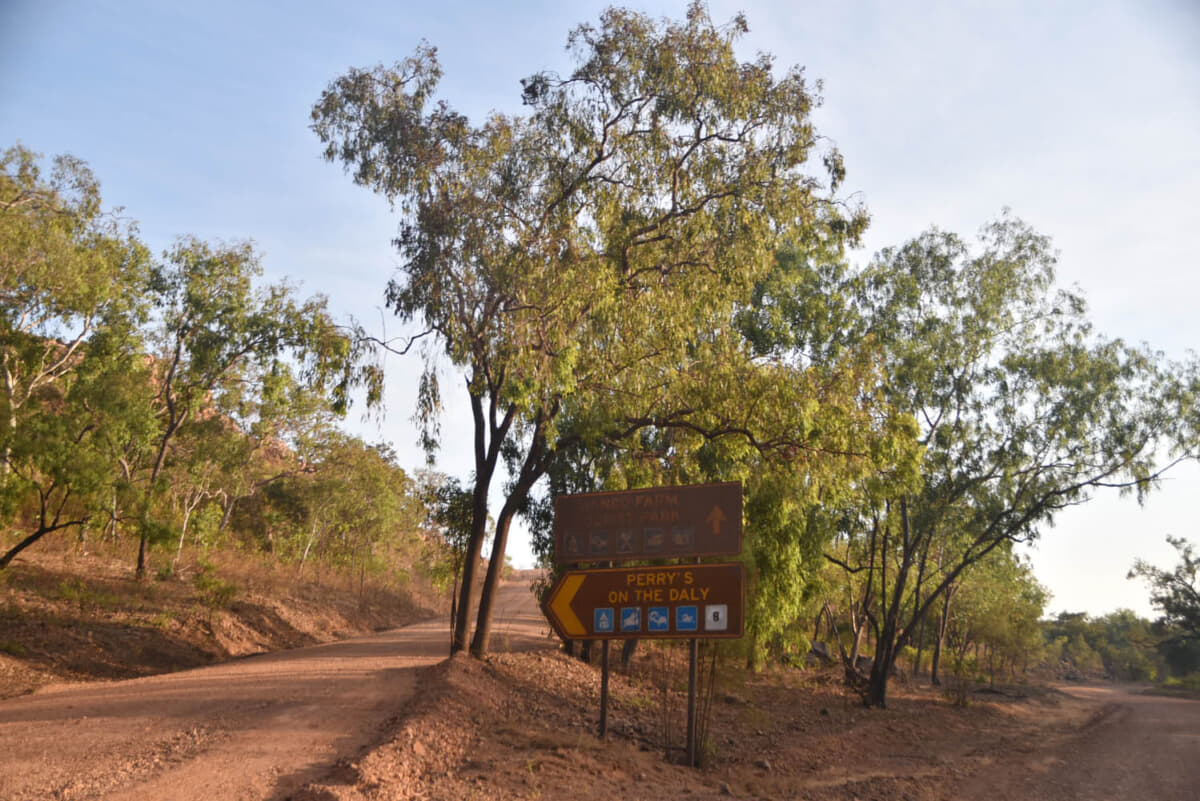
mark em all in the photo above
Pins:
pixel 673 602
pixel 658 523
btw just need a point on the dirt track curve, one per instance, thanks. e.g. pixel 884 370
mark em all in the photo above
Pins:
pixel 256 728
pixel 1135 747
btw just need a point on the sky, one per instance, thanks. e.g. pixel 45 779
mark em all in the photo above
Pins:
pixel 1083 117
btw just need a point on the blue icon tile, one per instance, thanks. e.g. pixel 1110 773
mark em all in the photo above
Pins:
pixel 658 619
pixel 687 618
pixel 603 621
pixel 631 619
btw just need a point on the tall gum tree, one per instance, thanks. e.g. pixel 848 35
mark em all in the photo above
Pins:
pixel 1022 410
pixel 67 269
pixel 571 261
pixel 216 333
pixel 71 300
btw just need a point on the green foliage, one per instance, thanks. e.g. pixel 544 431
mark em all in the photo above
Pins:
pixel 1128 649
pixel 1119 645
pixel 71 279
pixel 86 596
pixel 580 265
pixel 212 590
pixel 997 607
pixel 1180 657
pixel 1188 682
pixel 157 395
pixel 1176 593
pixel 222 345
pixel 449 508
pixel 1021 410
pixel 155 531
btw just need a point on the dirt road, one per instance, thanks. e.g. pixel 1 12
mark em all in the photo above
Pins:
pixel 262 728
pixel 1135 747
pixel 256 728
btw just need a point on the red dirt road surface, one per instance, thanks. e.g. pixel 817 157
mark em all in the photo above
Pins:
pixel 1134 747
pixel 336 722
pixel 254 728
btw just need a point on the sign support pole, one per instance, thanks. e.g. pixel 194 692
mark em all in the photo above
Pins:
pixel 693 662
pixel 604 687
pixel 693 659
pixel 604 690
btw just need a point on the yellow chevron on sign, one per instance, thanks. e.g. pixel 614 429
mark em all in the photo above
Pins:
pixel 560 605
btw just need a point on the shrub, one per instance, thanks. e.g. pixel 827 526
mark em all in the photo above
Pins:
pixel 214 591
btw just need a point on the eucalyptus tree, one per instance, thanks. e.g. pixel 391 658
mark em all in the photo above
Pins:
pixel 1176 593
pixel 68 268
pixel 64 457
pixel 216 339
pixel 997 609
pixel 354 503
pixel 579 264
pixel 448 517
pixel 1022 410
pixel 71 299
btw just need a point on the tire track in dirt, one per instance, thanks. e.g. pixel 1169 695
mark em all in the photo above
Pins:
pixel 250 729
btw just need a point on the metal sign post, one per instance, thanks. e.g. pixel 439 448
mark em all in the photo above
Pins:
pixel 604 690
pixel 693 659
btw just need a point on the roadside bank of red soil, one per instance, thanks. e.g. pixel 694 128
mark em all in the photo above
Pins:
pixel 66 618
pixel 524 726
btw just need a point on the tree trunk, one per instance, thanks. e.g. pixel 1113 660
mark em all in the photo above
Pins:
pixel 188 508
pixel 47 523
pixel 313 536
pixel 111 529
pixel 489 435
pixel 462 618
pixel 833 633
pixel 226 511
pixel 531 470
pixel 13 405
pixel 917 612
pixel 627 650
pixel 491 582
pixel 934 678
pixel 20 546
pixel 885 655
pixel 143 540
pixel 888 643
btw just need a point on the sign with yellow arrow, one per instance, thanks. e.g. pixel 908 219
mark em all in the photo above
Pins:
pixel 658 523
pixel 661 602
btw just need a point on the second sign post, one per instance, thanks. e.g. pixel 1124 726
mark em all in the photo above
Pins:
pixel 681 601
